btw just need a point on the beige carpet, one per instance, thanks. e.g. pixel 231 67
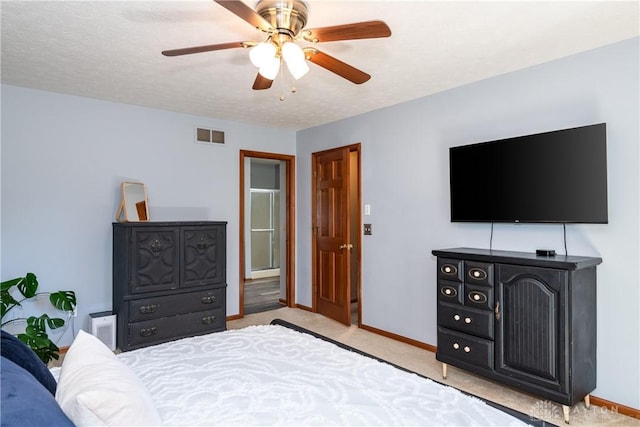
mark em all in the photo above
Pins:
pixel 424 362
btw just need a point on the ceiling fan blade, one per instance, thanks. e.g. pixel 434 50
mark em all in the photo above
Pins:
pixel 336 66
pixel 261 83
pixel 245 12
pixel 206 48
pixel 358 30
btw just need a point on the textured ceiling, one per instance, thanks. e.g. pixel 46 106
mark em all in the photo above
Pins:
pixel 111 50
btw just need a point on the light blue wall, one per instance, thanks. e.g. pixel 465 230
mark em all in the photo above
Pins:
pixel 405 180
pixel 63 159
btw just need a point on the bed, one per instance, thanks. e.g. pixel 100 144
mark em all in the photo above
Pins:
pixel 276 374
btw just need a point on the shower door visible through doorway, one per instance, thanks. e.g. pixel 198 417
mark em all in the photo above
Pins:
pixel 265 229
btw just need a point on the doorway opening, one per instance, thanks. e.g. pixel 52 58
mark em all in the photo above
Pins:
pixel 336 239
pixel 266 231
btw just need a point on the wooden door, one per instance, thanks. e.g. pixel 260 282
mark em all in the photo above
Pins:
pixel 331 213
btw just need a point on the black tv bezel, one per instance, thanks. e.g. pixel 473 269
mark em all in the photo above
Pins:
pixel 532 221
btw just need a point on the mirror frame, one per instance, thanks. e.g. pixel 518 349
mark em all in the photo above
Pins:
pixel 132 210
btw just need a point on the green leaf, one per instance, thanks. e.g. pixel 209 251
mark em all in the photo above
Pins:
pixel 43 321
pixel 63 300
pixel 6 303
pixel 41 345
pixel 35 337
pixel 47 353
pixel 29 286
pixel 5 286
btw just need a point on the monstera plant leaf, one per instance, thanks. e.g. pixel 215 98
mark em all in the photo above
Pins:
pixel 35 335
pixel 63 300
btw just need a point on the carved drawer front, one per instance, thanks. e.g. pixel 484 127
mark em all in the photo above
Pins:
pixel 478 296
pixel 468 320
pixel 450 269
pixel 168 328
pixel 170 305
pixel 451 292
pixel 478 273
pixel 465 348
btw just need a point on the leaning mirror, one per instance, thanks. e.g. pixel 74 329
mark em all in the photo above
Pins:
pixel 133 203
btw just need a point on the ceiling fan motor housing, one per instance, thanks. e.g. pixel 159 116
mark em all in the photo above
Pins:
pixel 288 16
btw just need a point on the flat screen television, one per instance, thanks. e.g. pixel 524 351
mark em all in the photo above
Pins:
pixel 551 177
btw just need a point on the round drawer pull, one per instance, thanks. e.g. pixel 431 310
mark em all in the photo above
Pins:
pixel 456 317
pixel 477 273
pixel 477 297
pixel 448 291
pixel 456 345
pixel 467 349
pixel 467 320
pixel 449 269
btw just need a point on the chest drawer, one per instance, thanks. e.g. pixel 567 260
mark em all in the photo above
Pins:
pixel 167 328
pixel 478 296
pixel 478 273
pixel 466 319
pixel 472 350
pixel 450 269
pixel 451 292
pixel 171 305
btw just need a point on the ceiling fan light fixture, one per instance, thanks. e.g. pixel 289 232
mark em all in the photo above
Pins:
pixel 262 54
pixel 270 69
pixel 294 57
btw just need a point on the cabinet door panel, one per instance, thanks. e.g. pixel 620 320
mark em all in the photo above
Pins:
pixel 203 256
pixel 530 329
pixel 155 259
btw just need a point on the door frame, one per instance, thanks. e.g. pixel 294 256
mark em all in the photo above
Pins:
pixel 357 147
pixel 289 161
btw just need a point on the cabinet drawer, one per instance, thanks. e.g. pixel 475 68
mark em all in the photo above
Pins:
pixel 478 296
pixel 473 350
pixel 451 292
pixel 468 320
pixel 171 305
pixel 450 269
pixel 174 327
pixel 478 273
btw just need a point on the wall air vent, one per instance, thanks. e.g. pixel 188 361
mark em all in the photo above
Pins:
pixel 209 136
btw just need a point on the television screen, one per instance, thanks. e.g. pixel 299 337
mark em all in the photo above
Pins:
pixel 558 176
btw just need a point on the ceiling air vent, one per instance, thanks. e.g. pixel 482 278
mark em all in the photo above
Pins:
pixel 209 136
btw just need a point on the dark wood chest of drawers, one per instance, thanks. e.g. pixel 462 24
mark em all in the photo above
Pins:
pixel 521 319
pixel 169 280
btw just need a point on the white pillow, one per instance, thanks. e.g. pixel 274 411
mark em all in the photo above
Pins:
pixel 95 388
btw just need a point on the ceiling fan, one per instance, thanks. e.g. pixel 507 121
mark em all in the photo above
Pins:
pixel 283 22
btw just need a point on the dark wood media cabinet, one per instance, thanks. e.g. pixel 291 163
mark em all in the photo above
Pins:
pixel 524 320
pixel 169 280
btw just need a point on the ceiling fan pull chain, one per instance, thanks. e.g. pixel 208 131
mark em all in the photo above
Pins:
pixel 281 81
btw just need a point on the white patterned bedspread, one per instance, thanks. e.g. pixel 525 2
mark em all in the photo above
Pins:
pixel 271 375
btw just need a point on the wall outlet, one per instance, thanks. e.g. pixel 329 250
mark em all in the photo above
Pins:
pixel 367 229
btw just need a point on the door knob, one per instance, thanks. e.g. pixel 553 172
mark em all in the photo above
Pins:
pixel 346 246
